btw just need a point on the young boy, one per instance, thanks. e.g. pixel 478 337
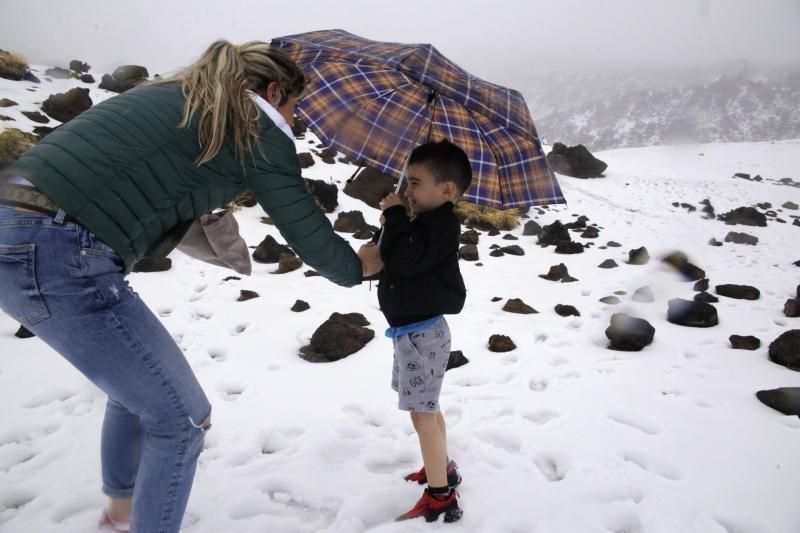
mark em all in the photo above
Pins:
pixel 419 283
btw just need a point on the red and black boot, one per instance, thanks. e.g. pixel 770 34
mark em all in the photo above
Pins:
pixel 453 476
pixel 431 506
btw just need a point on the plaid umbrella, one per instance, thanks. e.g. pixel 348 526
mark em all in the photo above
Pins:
pixel 376 101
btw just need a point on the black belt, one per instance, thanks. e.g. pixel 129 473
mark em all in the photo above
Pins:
pixel 30 198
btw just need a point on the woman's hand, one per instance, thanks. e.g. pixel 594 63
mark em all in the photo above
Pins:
pixel 370 255
pixel 390 200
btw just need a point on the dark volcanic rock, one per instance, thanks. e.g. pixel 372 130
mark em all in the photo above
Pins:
pixel 370 186
pixel 153 264
pixel 741 238
pixel 269 250
pixel 575 161
pixel 326 194
pixel 339 336
pixel 693 314
pixel 300 306
pixel 785 400
pixel 532 228
pixel 245 295
pixel 748 216
pixel 558 273
pixel 629 333
pixel 566 310
pixel 785 350
pixel 739 292
pixel 305 159
pixel 24 333
pixel 705 297
pixel 501 343
pixel 792 308
pixel 351 222
pixel 639 256
pixel 739 342
pixel 516 305
pixel 124 78
pixel 456 360
pixel 468 252
pixel 469 237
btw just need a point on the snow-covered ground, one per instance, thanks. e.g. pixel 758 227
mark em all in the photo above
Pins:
pixel 560 435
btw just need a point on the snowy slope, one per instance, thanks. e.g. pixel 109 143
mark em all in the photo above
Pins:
pixel 560 435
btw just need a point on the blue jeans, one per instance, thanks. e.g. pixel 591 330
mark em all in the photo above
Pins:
pixel 68 288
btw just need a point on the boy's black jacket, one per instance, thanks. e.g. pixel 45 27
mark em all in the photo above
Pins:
pixel 420 277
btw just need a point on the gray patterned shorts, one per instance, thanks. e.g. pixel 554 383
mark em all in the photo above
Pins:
pixel 420 361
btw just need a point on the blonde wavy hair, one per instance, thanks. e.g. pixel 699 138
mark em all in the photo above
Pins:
pixel 215 87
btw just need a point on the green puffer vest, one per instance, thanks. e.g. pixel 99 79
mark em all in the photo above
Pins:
pixel 126 172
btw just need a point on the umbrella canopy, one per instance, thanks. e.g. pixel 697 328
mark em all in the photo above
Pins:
pixel 376 101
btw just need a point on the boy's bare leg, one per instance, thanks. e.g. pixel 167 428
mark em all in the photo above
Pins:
pixel 443 429
pixel 119 509
pixel 432 444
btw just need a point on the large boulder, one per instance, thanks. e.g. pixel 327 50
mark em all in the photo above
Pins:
pixel 785 400
pixel 575 161
pixel 66 106
pixel 748 216
pixel 124 78
pixel 785 350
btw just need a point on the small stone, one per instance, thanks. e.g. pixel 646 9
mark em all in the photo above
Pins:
pixel 269 250
pixel 613 244
pixel 714 242
pixel 739 292
pixel 643 294
pixel 556 273
pixel 510 237
pixel 245 295
pixel 628 333
pixel 513 250
pixel 741 238
pixel 456 360
pixel 311 273
pixel 288 262
pixel 569 248
pixel 610 300
pixel 639 256
pixel 590 233
pixel 24 333
pixel 153 264
pixel 300 306
pixel 792 308
pixel 515 305
pixel 532 228
pixel 701 285
pixel 692 314
pixel 566 310
pixel 608 263
pixel 469 237
pixel 501 343
pixel 496 299
pixel 749 342
pixel 468 252
pixel 705 297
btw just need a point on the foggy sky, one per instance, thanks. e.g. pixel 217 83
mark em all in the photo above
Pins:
pixel 491 40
